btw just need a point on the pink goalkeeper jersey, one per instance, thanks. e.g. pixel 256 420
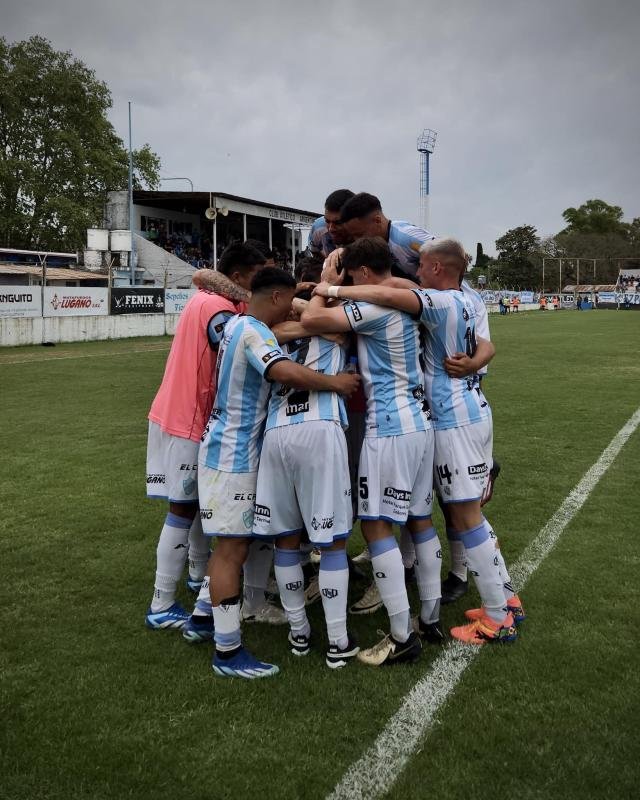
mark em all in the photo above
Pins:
pixel 183 402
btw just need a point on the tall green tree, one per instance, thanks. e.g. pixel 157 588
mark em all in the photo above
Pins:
pixel 594 216
pixel 59 153
pixel 518 263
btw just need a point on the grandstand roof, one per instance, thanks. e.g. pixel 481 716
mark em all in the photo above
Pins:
pixel 53 273
pixel 201 200
pixel 588 287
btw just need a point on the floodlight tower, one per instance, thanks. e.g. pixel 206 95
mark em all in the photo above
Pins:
pixel 426 146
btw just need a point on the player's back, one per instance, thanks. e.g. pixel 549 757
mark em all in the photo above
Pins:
pixel 183 402
pixel 289 406
pixel 320 240
pixel 389 351
pixel 450 318
pixel 232 439
pixel 405 241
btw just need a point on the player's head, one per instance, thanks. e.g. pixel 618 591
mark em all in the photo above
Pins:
pixel 309 268
pixel 442 262
pixel 263 247
pixel 362 215
pixel 272 291
pixel 367 260
pixel 332 209
pixel 241 262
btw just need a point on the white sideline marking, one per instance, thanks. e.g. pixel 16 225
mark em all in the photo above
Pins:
pixel 153 349
pixel 375 772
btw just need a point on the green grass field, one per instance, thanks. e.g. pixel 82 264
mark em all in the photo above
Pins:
pixel 94 705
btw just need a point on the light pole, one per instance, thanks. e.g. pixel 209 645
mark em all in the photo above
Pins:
pixel 426 146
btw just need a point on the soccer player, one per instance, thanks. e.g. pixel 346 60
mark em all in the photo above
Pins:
pixel 304 440
pixel 177 418
pixel 396 464
pixel 463 428
pixel 249 360
pixel 327 232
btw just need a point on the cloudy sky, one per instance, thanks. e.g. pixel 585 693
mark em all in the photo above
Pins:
pixel 536 104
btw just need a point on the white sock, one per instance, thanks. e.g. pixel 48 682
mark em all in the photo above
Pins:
pixel 198 550
pixel 291 586
pixel 256 574
pixel 428 562
pixel 483 564
pixel 504 572
pixel 388 572
pixel 407 550
pixel 226 620
pixel 203 603
pixel 334 586
pixel 458 555
pixel 171 555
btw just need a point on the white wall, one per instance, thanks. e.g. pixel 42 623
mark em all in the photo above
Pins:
pixel 35 330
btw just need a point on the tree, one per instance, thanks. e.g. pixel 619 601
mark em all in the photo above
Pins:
pixel 518 263
pixel 58 151
pixel 594 216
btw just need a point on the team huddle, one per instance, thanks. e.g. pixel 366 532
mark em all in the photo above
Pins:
pixel 247 443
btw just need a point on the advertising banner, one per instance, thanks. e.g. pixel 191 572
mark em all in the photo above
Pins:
pixel 75 301
pixel 606 297
pixel 20 301
pixel 137 300
pixel 176 299
pixel 526 297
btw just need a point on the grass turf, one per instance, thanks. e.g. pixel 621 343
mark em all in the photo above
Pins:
pixel 96 706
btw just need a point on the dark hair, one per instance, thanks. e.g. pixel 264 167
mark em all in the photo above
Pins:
pixel 371 252
pixel 309 268
pixel 358 206
pixel 240 257
pixel 271 278
pixel 263 247
pixel 337 199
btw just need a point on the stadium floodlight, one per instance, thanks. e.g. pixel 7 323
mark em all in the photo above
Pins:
pixel 426 145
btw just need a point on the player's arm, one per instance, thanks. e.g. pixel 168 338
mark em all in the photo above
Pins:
pixel 459 365
pixel 298 377
pixel 215 328
pixel 319 318
pixel 380 295
pixel 289 331
pixel 399 283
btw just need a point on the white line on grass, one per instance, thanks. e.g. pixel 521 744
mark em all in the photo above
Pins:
pixel 152 349
pixel 375 772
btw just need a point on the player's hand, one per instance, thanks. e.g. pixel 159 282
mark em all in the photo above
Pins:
pixel 298 305
pixel 322 289
pixel 304 286
pixel 332 272
pixel 459 365
pixel 346 383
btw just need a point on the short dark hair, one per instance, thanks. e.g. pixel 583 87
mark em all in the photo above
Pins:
pixel 358 206
pixel 309 268
pixel 240 257
pixel 369 251
pixel 263 247
pixel 337 199
pixel 271 278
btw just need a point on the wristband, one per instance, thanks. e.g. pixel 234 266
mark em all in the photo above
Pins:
pixel 332 291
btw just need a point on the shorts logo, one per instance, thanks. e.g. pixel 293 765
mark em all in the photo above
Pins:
pixel 244 496
pixel 357 314
pixel 325 523
pixel 364 505
pixel 206 513
pixel 294 586
pixel 330 593
pixel 478 469
pixel 188 467
pixel 189 485
pixel 263 511
pixel 397 494
pixel 155 479
pixel 247 518
pixel 271 354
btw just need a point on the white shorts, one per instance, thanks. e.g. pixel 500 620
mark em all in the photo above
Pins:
pixel 226 501
pixel 395 479
pixel 463 459
pixel 172 466
pixel 303 482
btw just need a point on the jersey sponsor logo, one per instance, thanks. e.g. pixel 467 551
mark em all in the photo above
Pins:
pixel 297 403
pixel 357 314
pixel 156 479
pixel 330 593
pixel 428 299
pixel 397 494
pixel 262 511
pixel 271 354
pixel 478 469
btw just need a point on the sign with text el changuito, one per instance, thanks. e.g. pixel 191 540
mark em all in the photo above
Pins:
pixel 137 300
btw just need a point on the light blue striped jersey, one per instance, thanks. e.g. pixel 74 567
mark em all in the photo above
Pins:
pixel 450 318
pixel 482 318
pixel 233 437
pixel 320 240
pixel 389 352
pixel 405 241
pixel 289 406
